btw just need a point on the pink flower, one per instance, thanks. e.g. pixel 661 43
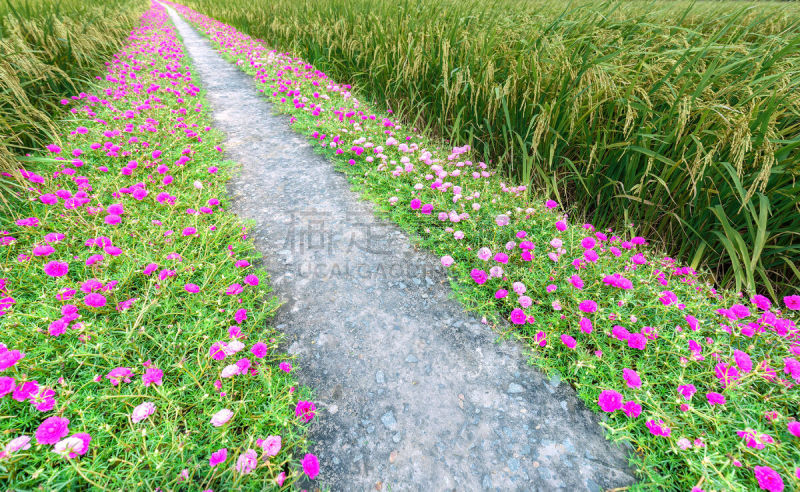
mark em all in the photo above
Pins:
pixel 305 410
pixel 502 220
pixel 561 225
pixel 715 398
pixel 192 288
pixel 792 427
pixel 631 377
pixel 142 411
pixel 240 316
pixel 221 418
pixel 416 203
pixel 56 268
pixel 447 260
pixel 20 443
pixel 484 254
pixel 271 445
pixel 73 446
pixel 251 280
pixel 550 204
pixel 768 479
pixel 285 367
pixel 310 465
pixel 576 281
pixel 610 400
pixel 568 341
pixel 51 430
pixel 282 477
pixel 218 456
pixel 247 462
pixel 119 374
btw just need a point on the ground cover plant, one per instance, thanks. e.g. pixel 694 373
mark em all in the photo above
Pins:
pixel 49 50
pixel 134 353
pixel 682 117
pixel 702 382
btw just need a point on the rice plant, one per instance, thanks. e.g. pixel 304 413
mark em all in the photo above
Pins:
pixel 680 117
pixel 50 49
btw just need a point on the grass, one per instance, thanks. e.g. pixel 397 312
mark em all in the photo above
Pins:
pixel 131 304
pixel 701 381
pixel 50 49
pixel 680 117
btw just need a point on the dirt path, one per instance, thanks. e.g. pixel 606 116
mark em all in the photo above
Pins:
pixel 416 394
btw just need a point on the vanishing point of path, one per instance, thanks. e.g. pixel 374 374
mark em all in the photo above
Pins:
pixel 415 393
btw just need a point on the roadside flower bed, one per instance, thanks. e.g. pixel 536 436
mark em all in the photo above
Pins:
pixel 134 352
pixel 703 383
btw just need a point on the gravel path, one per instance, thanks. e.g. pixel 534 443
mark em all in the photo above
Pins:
pixel 416 394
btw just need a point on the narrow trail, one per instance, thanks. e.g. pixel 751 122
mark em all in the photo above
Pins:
pixel 415 393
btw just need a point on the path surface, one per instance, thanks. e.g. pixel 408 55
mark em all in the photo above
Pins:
pixel 416 394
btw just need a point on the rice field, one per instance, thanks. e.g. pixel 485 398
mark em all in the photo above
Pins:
pixel 683 118
pixel 49 50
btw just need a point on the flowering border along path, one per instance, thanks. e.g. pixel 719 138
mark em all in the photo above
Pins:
pixel 702 382
pixel 134 351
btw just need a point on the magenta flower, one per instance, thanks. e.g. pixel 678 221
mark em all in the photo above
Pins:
pixel 587 306
pixel 192 288
pixel 152 375
pixel 218 456
pixel 568 341
pixel 631 409
pixel 792 302
pixel 310 465
pixel 518 316
pixel 285 367
pixel 743 360
pixel 259 349
pixel 416 203
pixel 792 427
pixel 95 300
pixel 586 325
pixel 637 341
pixel 240 316
pixel 56 268
pixel 610 400
pixel 305 410
pixel 715 398
pixel 550 204
pixel 687 390
pixel 51 430
pixel 479 276
pixel 768 479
